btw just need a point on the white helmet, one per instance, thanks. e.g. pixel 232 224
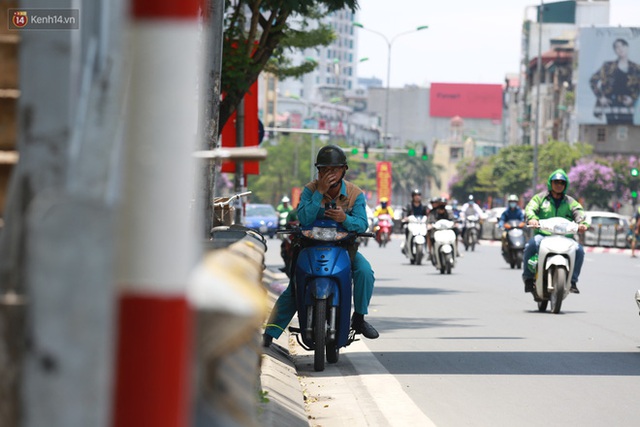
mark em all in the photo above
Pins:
pixel 285 199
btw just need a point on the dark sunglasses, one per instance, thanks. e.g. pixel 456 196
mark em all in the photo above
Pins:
pixel 559 182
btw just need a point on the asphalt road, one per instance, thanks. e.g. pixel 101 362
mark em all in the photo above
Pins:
pixel 471 349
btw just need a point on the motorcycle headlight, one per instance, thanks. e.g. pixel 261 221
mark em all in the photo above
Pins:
pixel 325 234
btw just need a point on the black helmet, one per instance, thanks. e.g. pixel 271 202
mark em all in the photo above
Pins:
pixel 416 192
pixel 330 155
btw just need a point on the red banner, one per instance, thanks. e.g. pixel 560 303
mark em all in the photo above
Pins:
pixel 250 132
pixel 383 179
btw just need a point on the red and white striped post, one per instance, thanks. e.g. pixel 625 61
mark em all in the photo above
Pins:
pixel 157 247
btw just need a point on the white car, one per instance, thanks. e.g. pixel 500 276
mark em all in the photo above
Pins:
pixel 490 230
pixel 607 229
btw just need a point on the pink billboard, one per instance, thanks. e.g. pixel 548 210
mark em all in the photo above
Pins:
pixel 469 101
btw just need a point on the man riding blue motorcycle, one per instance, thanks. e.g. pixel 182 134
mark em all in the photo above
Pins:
pixel 549 204
pixel 330 189
pixel 513 212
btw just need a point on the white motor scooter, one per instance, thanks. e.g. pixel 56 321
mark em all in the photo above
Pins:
pixel 443 249
pixel 554 264
pixel 415 245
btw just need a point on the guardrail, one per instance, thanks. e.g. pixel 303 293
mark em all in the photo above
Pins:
pixel 231 305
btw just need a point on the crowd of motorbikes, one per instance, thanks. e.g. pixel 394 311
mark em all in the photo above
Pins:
pixel 321 270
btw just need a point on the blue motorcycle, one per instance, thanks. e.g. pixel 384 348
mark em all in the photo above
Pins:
pixel 322 288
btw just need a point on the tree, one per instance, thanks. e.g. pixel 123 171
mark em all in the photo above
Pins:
pixel 287 165
pixel 512 169
pixel 592 181
pixel 257 35
pixel 559 155
pixel 466 181
pixel 410 172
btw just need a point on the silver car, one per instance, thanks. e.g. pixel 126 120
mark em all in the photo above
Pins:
pixel 607 229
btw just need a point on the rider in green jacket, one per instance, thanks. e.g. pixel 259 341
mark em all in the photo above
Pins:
pixel 550 204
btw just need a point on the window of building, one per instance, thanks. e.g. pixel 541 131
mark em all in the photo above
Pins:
pixel 622 133
pixel 455 153
pixel 601 135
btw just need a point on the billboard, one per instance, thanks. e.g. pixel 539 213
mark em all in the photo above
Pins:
pixel 608 76
pixel 469 101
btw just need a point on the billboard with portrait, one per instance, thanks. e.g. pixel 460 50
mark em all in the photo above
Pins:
pixel 608 76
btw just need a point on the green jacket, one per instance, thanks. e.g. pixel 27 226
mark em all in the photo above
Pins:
pixel 541 206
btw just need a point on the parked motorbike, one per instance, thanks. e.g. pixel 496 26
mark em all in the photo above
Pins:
pixel 322 287
pixel 286 247
pixel 383 229
pixel 282 220
pixel 471 232
pixel 443 254
pixel 513 247
pixel 415 245
pixel 554 263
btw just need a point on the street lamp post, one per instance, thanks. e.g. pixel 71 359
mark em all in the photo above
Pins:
pixel 386 102
pixel 538 80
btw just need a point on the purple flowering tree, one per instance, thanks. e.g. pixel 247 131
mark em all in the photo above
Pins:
pixel 594 182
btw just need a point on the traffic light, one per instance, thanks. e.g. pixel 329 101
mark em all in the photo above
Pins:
pixel 425 156
pixel 354 150
pixel 412 152
pixel 366 151
pixel 634 194
pixel 634 171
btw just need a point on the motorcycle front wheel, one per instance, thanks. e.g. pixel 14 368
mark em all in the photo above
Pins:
pixel 542 305
pixel 559 282
pixel 419 254
pixel 319 333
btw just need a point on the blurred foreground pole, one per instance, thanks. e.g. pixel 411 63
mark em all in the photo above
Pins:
pixel 209 124
pixel 156 243
pixel 56 275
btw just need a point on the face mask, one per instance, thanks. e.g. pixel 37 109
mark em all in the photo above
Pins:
pixel 512 205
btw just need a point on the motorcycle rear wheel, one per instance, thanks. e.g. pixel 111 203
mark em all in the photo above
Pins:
pixel 319 333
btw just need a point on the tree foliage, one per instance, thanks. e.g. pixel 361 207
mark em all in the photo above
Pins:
pixel 257 36
pixel 411 172
pixel 592 181
pixel 510 171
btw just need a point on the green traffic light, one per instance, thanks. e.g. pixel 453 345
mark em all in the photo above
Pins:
pixel 425 157
pixel 634 171
pixel 411 152
pixel 365 155
pixel 634 194
pixel 354 150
